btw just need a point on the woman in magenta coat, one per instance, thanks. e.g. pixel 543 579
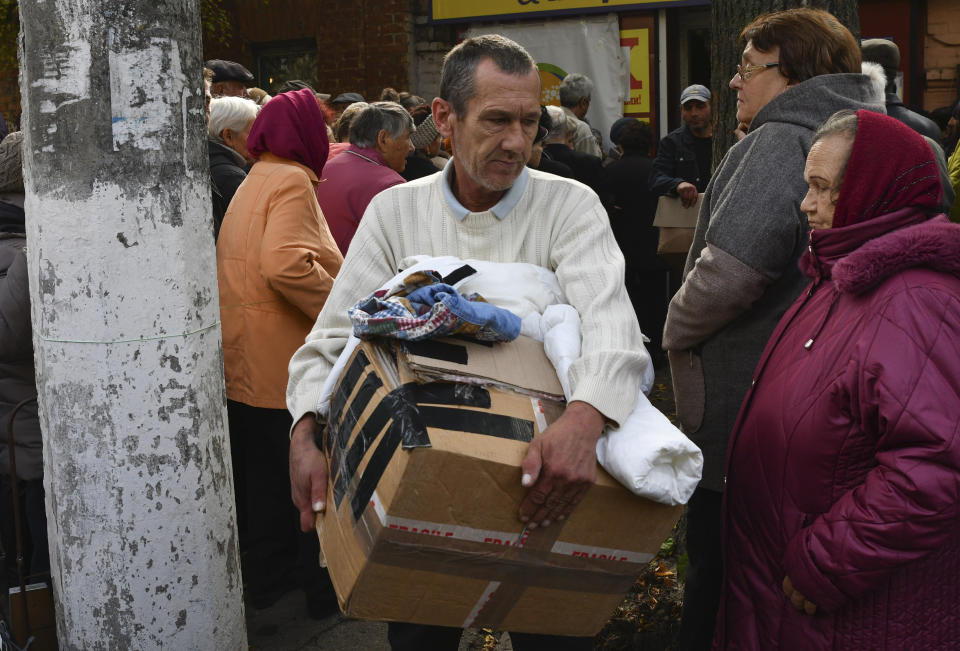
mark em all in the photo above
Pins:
pixel 842 505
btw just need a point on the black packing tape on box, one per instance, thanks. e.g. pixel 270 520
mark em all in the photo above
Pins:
pixel 477 422
pixel 459 274
pixel 407 412
pixel 402 405
pixel 449 393
pixel 433 349
pixel 376 467
pixel 410 428
pixel 347 384
pixel 371 383
pixel 348 465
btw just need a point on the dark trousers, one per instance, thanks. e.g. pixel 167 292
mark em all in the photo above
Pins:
pixel 417 637
pixel 701 593
pixel 276 556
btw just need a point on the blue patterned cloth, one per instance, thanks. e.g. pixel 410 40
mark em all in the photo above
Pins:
pixel 425 308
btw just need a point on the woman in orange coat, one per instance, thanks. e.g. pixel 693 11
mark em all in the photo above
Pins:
pixel 276 262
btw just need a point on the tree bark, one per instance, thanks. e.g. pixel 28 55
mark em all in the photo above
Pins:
pixel 125 311
pixel 729 17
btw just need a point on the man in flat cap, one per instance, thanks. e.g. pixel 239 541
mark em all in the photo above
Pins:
pixel 684 157
pixel 343 100
pixel 230 79
pixel 887 54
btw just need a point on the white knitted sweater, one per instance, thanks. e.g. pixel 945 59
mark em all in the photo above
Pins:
pixel 557 223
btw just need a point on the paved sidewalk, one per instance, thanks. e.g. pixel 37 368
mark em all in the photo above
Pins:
pixel 285 626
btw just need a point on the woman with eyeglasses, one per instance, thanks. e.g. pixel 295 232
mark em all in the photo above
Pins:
pixel 842 510
pixel 799 67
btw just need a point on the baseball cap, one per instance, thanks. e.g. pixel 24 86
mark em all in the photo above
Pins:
pixel 697 92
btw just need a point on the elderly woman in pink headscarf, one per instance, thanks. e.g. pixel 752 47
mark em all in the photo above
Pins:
pixel 842 505
pixel 276 261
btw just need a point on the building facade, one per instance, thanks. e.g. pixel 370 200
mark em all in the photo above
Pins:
pixel 362 46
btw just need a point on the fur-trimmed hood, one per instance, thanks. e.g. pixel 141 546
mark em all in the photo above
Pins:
pixel 933 244
pixel 858 259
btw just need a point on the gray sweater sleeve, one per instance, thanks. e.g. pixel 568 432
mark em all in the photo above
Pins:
pixel 750 230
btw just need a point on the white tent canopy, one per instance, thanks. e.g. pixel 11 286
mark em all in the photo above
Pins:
pixel 590 45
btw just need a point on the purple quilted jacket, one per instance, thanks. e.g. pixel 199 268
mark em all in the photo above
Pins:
pixel 843 471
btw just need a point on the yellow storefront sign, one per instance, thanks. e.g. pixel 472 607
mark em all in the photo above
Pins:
pixel 638 42
pixel 463 9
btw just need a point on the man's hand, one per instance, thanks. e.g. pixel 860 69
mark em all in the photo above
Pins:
pixel 799 602
pixel 687 193
pixel 308 472
pixel 561 465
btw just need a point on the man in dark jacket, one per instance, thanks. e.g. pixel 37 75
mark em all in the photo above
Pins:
pixel 682 166
pixel 538 159
pixel 558 146
pixel 887 54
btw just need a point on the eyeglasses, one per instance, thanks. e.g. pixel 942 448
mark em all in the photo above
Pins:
pixel 746 72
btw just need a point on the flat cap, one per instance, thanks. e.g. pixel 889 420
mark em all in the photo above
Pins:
pixel 347 98
pixel 229 71
pixel 882 51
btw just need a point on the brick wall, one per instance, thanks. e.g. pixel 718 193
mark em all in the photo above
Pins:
pixel 362 45
pixel 941 54
pixel 431 43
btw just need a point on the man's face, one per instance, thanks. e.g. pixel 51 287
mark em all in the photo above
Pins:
pixel 761 86
pixel 394 150
pixel 229 89
pixel 493 138
pixel 696 114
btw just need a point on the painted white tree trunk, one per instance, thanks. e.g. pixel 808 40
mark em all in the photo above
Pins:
pixel 142 525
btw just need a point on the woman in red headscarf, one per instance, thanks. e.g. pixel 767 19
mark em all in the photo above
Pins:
pixel 842 503
pixel 276 261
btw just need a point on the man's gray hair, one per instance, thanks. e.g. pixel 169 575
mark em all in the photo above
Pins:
pixel 558 124
pixel 233 113
pixel 574 88
pixel 379 116
pixel 458 77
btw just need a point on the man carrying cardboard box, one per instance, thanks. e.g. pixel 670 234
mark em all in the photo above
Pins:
pixel 488 205
pixel 682 166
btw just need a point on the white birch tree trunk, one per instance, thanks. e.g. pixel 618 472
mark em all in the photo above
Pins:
pixel 139 489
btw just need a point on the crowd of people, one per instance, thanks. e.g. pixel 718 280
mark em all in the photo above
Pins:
pixel 813 342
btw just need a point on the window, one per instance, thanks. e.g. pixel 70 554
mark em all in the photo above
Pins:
pixel 282 61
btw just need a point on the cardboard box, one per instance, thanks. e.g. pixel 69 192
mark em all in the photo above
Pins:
pixel 676 224
pixel 421 522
